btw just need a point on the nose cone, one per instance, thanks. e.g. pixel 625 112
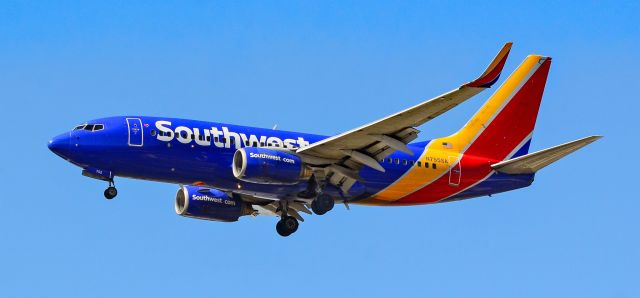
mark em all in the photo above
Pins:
pixel 60 145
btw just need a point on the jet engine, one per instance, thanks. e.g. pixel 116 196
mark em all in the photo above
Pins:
pixel 210 204
pixel 268 166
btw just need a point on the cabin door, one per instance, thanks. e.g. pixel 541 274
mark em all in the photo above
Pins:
pixel 135 132
pixel 455 172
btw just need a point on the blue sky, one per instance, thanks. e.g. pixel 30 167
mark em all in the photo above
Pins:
pixel 321 67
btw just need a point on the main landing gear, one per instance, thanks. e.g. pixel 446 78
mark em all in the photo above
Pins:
pixel 111 191
pixel 322 204
pixel 287 224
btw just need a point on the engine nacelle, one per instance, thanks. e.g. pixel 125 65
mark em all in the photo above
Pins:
pixel 267 166
pixel 209 203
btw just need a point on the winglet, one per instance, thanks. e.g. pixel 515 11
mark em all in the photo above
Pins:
pixel 492 73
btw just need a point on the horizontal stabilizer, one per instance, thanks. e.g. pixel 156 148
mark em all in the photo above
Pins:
pixel 533 162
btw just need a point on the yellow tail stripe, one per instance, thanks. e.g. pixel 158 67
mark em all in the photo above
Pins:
pixel 451 147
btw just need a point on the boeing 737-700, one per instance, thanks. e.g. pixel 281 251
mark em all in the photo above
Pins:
pixel 227 171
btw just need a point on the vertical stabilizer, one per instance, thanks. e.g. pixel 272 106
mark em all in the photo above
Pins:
pixel 503 126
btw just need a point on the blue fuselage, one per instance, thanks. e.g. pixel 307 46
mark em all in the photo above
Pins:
pixel 196 152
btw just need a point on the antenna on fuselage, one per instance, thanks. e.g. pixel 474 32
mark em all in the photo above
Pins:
pixel 275 126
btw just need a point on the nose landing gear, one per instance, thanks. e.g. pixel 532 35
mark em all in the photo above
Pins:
pixel 111 191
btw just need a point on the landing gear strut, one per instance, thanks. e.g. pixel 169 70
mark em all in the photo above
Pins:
pixel 287 225
pixel 111 191
pixel 322 204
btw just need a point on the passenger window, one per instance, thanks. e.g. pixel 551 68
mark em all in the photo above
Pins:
pixel 208 138
pixel 419 164
pixel 169 133
pixel 412 162
pixel 397 161
pixel 389 160
pixel 404 162
pixel 215 139
pixel 433 165
pixel 153 133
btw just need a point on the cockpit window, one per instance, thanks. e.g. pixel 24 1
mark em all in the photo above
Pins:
pixel 89 127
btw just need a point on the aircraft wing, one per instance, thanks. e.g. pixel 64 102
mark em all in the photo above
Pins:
pixel 344 154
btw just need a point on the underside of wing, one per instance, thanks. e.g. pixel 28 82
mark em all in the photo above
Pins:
pixel 343 155
pixel 272 206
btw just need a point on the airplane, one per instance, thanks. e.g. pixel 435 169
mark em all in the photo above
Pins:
pixel 227 171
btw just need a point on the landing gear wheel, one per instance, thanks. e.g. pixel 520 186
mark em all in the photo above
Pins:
pixel 110 193
pixel 287 226
pixel 322 204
